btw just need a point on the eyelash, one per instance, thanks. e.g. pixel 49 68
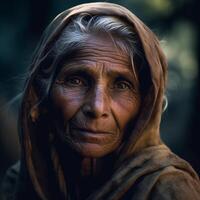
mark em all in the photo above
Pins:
pixel 69 81
pixel 83 82
pixel 124 83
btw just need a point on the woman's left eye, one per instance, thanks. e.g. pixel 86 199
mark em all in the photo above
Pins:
pixel 122 85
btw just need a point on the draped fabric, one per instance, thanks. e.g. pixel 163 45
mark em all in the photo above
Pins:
pixel 145 167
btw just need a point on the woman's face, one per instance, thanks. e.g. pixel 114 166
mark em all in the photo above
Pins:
pixel 95 96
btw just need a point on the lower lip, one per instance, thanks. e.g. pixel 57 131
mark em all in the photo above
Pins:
pixel 92 137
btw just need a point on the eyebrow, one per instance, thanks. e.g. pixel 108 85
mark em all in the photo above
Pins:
pixel 84 69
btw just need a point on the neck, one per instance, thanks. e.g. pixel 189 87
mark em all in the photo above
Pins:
pixel 84 175
pixel 89 167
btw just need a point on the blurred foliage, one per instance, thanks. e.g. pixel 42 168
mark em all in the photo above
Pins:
pixel 175 22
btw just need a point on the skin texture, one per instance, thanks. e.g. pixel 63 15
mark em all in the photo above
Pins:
pixel 95 96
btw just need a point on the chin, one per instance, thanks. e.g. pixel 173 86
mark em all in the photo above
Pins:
pixel 93 150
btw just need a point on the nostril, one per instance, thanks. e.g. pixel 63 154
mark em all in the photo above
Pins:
pixel 88 111
pixel 93 112
pixel 90 114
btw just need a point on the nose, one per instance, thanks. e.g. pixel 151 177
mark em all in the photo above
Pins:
pixel 97 103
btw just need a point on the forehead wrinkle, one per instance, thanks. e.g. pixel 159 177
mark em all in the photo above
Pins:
pixel 107 55
pixel 102 69
pixel 105 60
pixel 98 66
pixel 101 51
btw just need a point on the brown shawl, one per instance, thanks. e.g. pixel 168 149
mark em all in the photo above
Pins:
pixel 146 168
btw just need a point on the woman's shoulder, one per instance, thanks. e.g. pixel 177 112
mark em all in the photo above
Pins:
pixel 168 183
pixel 160 174
pixel 174 183
pixel 9 183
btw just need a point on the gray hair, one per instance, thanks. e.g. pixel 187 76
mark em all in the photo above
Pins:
pixel 77 32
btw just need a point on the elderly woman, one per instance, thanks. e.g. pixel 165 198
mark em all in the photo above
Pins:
pixel 90 115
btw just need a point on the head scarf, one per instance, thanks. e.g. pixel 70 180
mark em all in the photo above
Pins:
pixel 44 170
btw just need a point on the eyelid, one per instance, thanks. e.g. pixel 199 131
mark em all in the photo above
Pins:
pixel 127 85
pixel 125 80
pixel 76 77
pixel 133 86
pixel 79 73
pixel 89 81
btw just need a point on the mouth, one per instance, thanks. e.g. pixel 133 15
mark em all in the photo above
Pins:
pixel 90 135
pixel 93 131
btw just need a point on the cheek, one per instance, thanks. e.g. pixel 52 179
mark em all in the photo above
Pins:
pixel 125 109
pixel 66 102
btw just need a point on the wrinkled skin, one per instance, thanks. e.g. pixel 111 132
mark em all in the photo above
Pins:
pixel 95 95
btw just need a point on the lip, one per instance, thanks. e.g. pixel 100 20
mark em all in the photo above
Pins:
pixel 92 131
pixel 92 136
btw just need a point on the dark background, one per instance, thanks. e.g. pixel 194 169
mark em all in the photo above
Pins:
pixel 175 22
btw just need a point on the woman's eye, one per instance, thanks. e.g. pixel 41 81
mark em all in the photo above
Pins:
pixel 122 85
pixel 74 81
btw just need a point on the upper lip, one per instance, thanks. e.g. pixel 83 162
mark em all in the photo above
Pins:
pixel 92 130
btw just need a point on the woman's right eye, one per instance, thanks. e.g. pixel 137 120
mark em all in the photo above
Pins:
pixel 74 81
